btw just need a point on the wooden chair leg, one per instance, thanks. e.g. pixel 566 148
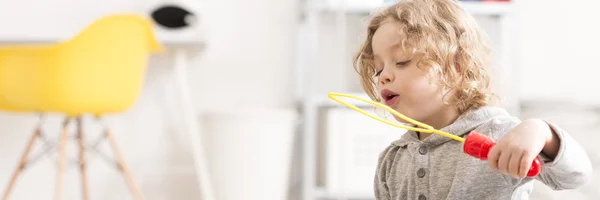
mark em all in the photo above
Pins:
pixel 22 162
pixel 62 160
pixel 135 191
pixel 82 162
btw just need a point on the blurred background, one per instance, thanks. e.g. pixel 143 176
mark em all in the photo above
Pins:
pixel 235 105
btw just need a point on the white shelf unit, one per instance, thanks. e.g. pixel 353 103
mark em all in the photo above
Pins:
pixel 328 35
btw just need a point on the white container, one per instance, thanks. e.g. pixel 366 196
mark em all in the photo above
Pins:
pixel 249 153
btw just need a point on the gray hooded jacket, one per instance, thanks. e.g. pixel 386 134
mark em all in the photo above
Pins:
pixel 437 168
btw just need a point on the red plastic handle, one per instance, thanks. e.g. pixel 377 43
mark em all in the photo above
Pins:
pixel 479 145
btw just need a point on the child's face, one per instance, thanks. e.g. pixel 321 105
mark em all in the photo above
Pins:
pixel 401 84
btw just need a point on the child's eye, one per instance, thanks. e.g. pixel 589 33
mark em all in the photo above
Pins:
pixel 403 63
pixel 378 73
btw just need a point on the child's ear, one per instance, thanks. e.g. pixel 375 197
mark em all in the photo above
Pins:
pixel 446 94
pixel 457 67
pixel 449 92
pixel 457 56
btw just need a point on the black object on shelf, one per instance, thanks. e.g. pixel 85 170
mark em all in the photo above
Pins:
pixel 173 17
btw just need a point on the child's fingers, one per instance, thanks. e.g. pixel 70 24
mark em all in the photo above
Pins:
pixel 503 161
pixel 493 156
pixel 515 164
pixel 525 163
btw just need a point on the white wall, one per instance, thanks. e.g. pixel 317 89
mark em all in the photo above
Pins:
pixel 558 50
pixel 247 64
pixel 251 57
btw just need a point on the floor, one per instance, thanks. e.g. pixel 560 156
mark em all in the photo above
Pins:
pixel 583 123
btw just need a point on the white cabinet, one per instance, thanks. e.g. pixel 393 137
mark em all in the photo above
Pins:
pixel 351 148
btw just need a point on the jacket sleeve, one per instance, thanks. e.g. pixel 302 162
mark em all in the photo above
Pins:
pixel 570 169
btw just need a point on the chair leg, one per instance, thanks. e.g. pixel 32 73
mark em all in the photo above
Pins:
pixel 22 162
pixel 82 162
pixel 62 160
pixel 135 191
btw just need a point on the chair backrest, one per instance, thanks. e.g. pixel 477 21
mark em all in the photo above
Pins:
pixel 12 74
pixel 100 70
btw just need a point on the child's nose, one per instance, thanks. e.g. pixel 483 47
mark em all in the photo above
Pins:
pixel 386 77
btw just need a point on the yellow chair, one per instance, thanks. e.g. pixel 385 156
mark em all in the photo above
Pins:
pixel 97 72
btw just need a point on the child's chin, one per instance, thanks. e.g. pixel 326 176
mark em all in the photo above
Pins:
pixel 400 120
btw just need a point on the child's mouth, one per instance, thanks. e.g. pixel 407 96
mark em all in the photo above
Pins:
pixel 389 97
pixel 390 101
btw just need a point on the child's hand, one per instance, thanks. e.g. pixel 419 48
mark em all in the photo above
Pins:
pixel 514 153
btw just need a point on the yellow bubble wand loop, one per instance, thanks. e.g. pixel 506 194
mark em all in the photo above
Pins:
pixel 424 128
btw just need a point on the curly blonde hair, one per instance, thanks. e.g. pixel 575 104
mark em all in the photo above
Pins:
pixel 455 54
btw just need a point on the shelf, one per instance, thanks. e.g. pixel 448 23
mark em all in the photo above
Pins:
pixel 473 7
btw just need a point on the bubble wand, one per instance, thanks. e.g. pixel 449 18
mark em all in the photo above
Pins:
pixel 475 144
